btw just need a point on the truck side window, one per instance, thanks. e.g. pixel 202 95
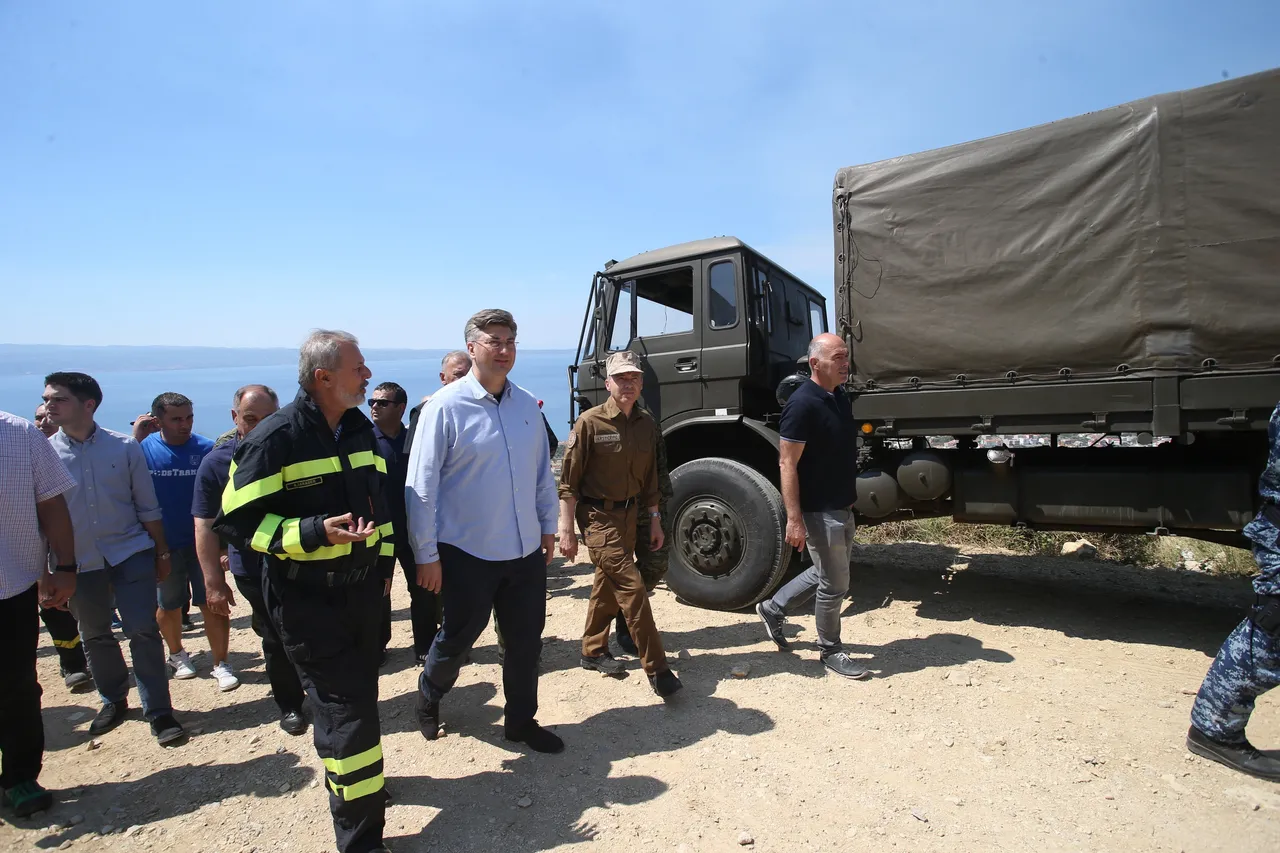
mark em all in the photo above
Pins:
pixel 817 319
pixel 664 303
pixel 620 338
pixel 723 296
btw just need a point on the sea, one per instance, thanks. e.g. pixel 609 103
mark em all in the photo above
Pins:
pixel 132 376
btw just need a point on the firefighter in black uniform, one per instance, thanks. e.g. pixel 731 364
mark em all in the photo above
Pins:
pixel 306 492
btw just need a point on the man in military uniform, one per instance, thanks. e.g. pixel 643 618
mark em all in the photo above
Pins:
pixel 610 476
pixel 306 490
pixel 650 562
pixel 1248 664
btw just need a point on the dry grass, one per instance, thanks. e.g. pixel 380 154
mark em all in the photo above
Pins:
pixel 1132 548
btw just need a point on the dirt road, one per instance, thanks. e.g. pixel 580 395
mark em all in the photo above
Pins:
pixel 1008 712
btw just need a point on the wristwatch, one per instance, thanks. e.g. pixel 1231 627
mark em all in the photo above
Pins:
pixel 163 555
pixel 655 515
pixel 70 568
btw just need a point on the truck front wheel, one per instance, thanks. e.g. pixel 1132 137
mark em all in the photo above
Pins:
pixel 728 549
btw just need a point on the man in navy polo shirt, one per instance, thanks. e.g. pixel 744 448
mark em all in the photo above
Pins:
pixel 250 405
pixel 818 456
pixel 387 404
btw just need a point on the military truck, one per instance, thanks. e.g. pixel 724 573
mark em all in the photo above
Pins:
pixel 1115 274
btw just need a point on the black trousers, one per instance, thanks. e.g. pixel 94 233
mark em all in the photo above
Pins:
pixel 424 607
pixel 332 636
pixel 286 688
pixel 65 634
pixel 515 590
pixel 21 729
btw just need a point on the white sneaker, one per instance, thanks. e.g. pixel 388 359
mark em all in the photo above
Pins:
pixel 227 680
pixel 181 663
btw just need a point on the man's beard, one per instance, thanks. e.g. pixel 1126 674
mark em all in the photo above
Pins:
pixel 353 401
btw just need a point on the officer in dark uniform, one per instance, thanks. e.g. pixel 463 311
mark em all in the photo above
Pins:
pixel 1248 664
pixel 610 475
pixel 307 490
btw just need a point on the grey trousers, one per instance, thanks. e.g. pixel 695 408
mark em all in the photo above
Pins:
pixel 829 537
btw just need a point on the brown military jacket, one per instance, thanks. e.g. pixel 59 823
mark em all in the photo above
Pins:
pixel 611 457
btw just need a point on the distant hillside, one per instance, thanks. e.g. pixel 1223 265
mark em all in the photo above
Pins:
pixel 28 359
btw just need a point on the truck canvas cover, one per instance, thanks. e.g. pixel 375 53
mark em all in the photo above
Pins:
pixel 1139 240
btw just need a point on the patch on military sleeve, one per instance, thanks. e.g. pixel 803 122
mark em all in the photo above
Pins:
pixel 571 441
pixel 608 438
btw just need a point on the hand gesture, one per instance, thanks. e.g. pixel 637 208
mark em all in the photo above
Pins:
pixel 341 528
pixel 144 425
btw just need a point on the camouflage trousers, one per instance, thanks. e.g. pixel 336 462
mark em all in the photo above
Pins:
pixel 1247 665
pixel 652 564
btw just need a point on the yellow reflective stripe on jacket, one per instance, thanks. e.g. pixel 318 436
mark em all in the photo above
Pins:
pixel 291 537
pixel 68 644
pixel 266 532
pixel 233 498
pixel 367 457
pixel 343 766
pixel 328 552
pixel 387 549
pixel 358 789
pixel 385 529
pixel 311 468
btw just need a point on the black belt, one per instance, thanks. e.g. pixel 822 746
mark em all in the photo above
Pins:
pixel 300 572
pixel 601 503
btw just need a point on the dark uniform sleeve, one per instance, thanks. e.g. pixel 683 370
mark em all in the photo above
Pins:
pixel 576 449
pixel 255 485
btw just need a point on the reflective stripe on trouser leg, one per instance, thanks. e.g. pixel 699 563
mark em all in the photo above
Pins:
pixel 332 637
pixel 1247 665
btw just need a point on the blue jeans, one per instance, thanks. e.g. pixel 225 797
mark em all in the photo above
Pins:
pixel 829 537
pixel 132 584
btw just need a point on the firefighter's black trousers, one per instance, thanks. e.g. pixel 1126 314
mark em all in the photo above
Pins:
pixel 332 635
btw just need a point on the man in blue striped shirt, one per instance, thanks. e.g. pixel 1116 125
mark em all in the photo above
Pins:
pixel 482 510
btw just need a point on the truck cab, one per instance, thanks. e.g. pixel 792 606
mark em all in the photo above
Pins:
pixel 717 326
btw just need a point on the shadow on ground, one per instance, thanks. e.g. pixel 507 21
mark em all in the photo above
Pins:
pixel 172 792
pixel 1089 600
pixel 483 811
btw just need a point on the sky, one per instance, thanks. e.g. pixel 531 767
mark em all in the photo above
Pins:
pixel 237 173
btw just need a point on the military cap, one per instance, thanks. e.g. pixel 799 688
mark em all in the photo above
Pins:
pixel 623 362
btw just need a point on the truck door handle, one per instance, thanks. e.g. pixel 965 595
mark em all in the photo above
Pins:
pixel 687 364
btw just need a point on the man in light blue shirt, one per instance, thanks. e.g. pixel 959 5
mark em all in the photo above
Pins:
pixel 482 510
pixel 121 547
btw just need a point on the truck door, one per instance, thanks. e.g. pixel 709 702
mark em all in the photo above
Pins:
pixel 655 315
pixel 784 312
pixel 724 333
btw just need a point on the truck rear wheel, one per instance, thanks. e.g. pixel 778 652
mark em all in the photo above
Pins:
pixel 728 547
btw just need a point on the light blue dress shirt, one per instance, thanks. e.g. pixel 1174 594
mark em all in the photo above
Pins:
pixel 113 496
pixel 480 474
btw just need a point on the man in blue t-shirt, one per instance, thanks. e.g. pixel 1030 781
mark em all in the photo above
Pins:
pixel 251 404
pixel 174 454
pixel 818 459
